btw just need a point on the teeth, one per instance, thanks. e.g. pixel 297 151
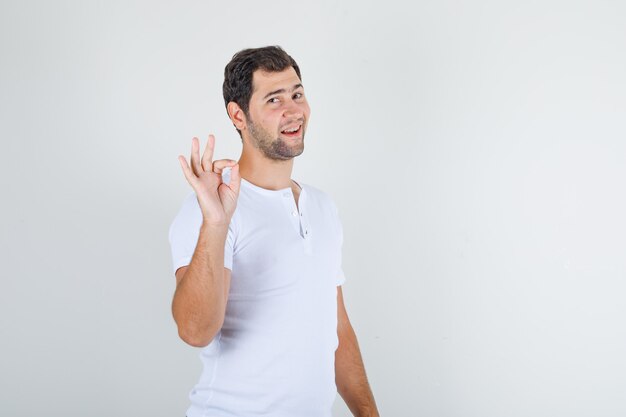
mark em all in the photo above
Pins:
pixel 293 129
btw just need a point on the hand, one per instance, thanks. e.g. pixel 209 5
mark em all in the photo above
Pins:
pixel 217 200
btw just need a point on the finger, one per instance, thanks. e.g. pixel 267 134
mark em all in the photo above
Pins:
pixel 195 156
pixel 235 179
pixel 219 165
pixel 207 157
pixel 191 178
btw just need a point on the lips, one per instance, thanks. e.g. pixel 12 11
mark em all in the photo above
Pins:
pixel 292 131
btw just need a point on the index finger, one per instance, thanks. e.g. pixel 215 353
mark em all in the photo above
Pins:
pixel 218 166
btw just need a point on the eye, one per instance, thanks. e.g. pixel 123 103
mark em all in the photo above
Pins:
pixel 298 95
pixel 273 100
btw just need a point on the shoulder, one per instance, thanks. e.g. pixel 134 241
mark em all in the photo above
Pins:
pixel 189 215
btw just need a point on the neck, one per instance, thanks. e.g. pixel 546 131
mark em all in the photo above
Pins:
pixel 263 172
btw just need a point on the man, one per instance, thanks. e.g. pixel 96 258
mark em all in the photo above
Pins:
pixel 257 259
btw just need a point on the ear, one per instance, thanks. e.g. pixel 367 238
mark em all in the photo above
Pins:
pixel 236 115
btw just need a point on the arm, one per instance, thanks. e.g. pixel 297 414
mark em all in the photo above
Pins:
pixel 199 303
pixel 350 376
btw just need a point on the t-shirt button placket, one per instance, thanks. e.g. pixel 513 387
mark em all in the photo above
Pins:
pixel 305 226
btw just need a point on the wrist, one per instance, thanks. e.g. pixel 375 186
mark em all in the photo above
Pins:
pixel 369 411
pixel 214 228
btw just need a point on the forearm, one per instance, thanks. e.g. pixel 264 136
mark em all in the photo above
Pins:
pixel 350 376
pixel 200 299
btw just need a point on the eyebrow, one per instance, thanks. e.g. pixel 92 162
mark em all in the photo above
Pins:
pixel 282 90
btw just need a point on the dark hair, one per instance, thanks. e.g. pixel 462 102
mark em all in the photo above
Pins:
pixel 237 85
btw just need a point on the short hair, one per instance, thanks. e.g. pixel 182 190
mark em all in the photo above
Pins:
pixel 238 73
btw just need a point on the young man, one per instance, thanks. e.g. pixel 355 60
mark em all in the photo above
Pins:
pixel 257 259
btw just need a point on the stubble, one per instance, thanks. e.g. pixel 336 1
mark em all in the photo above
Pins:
pixel 276 148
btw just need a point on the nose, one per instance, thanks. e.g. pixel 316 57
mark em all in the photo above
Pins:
pixel 293 110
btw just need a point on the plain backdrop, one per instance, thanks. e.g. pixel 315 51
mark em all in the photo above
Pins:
pixel 476 151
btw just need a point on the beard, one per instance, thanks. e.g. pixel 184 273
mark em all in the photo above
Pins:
pixel 275 148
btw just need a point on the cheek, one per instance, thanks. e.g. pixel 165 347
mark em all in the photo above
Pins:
pixel 272 121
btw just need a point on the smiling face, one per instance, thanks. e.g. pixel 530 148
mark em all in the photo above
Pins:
pixel 278 114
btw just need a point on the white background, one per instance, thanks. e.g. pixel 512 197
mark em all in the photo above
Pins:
pixel 476 151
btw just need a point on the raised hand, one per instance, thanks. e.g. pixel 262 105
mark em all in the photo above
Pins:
pixel 217 200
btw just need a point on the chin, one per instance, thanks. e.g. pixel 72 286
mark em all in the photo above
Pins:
pixel 284 154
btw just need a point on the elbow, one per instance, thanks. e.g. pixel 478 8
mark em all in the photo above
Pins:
pixel 194 329
pixel 198 337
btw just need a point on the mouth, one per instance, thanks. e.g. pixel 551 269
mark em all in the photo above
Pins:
pixel 292 131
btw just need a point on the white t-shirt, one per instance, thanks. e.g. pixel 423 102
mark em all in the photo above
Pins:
pixel 275 353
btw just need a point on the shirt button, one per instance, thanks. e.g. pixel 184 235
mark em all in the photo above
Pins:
pixel 294 214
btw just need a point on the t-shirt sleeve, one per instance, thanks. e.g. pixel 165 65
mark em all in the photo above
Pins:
pixel 185 230
pixel 341 278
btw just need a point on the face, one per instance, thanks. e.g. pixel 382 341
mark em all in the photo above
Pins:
pixel 278 114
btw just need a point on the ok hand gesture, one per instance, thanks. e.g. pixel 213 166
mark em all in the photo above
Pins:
pixel 217 200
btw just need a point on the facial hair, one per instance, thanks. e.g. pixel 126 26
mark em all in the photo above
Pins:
pixel 277 148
